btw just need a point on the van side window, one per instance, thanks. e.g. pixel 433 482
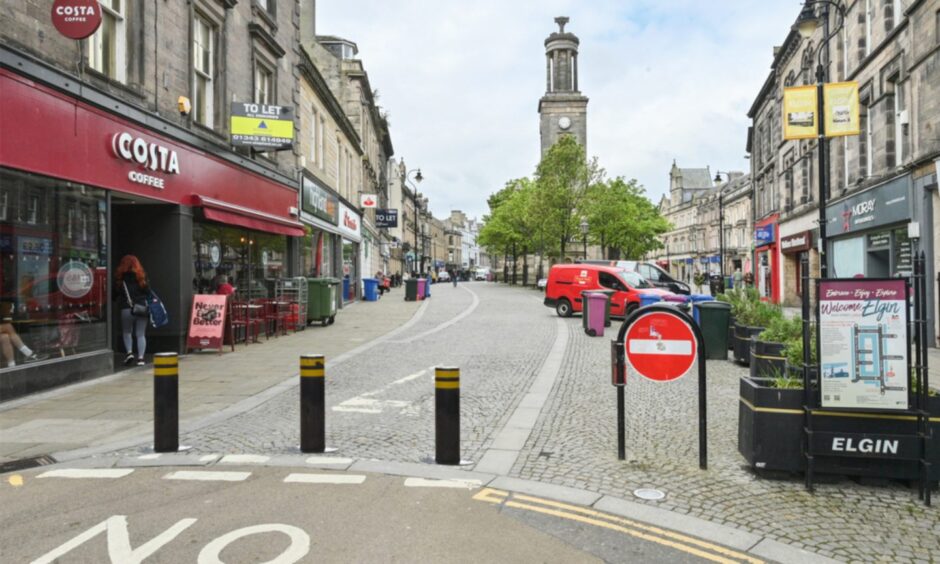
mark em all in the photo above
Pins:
pixel 610 281
pixel 648 272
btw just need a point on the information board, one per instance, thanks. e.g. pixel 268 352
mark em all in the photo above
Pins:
pixel 207 322
pixel 863 344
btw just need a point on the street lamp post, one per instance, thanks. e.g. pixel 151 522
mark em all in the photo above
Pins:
pixel 721 223
pixel 414 200
pixel 806 24
pixel 584 232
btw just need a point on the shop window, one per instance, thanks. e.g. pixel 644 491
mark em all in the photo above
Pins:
pixel 848 258
pixel 204 70
pixel 107 47
pixel 251 260
pixel 53 274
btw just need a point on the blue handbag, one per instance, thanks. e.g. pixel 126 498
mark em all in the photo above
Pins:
pixel 158 315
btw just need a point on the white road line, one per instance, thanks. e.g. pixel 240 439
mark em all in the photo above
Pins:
pixel 446 324
pixel 207 476
pixel 324 479
pixel 363 403
pixel 244 459
pixel 455 484
pixel 208 457
pixel 87 473
pixel 151 456
pixel 328 460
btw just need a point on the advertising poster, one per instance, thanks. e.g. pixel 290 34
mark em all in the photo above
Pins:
pixel 263 127
pixel 799 112
pixel 863 343
pixel 207 322
pixel 841 109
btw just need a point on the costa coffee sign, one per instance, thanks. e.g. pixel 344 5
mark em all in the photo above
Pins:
pixel 76 19
pixel 151 156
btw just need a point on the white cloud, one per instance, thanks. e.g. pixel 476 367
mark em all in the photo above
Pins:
pixel 461 80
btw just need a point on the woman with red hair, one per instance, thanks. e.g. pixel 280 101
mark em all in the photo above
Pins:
pixel 132 288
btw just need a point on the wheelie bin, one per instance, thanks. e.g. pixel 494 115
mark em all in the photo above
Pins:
pixel 593 310
pixel 321 300
pixel 713 318
pixel 411 290
pixel 697 299
pixel 610 296
pixel 422 282
pixel 427 288
pixel 370 289
pixel 649 299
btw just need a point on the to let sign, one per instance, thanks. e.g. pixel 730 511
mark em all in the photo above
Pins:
pixel 386 218
pixel 76 19
pixel 660 346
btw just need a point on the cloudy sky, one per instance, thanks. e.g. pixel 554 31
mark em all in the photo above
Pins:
pixel 667 79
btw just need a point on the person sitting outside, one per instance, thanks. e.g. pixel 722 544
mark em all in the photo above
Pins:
pixel 224 288
pixel 383 283
pixel 9 339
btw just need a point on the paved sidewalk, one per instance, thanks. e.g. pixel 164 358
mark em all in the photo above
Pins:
pixel 120 406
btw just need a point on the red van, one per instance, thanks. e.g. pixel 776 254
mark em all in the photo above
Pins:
pixel 567 281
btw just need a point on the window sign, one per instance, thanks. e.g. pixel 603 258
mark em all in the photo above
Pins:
pixel 318 201
pixel 879 240
pixel 863 344
pixel 903 254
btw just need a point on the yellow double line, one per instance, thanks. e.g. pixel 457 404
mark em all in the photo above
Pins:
pixel 664 537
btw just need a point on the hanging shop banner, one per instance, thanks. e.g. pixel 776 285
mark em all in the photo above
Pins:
pixel 263 127
pixel 863 344
pixel 841 109
pixel 207 322
pixel 799 112
pixel 764 234
pixel 368 201
pixel 76 19
pixel 386 218
pixel 350 223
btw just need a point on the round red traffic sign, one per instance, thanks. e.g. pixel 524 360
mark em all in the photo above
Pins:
pixel 76 19
pixel 660 346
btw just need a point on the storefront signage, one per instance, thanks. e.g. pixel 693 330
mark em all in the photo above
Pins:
pixel 883 205
pixel 261 126
pixel 368 201
pixel 75 279
pixel 796 243
pixel 34 246
pixel 349 224
pixel 151 156
pixel 207 322
pixel 764 234
pixel 863 343
pixel 318 201
pixel 386 218
pixel 76 19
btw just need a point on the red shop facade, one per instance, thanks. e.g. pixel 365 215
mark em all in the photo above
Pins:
pixel 80 187
pixel 767 259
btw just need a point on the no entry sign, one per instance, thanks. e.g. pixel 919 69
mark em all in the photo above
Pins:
pixel 660 346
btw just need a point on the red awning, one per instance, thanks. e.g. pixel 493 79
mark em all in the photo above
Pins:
pixel 223 212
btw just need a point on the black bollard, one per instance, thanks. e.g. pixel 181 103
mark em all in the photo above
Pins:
pixel 447 415
pixel 166 402
pixel 312 403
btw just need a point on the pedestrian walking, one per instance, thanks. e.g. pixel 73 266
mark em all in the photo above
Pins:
pixel 453 277
pixel 132 293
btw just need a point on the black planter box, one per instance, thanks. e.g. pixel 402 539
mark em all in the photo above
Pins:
pixel 770 434
pixel 742 342
pixel 731 324
pixel 767 360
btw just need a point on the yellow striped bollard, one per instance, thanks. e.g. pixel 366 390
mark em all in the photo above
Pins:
pixel 166 402
pixel 312 403
pixel 447 415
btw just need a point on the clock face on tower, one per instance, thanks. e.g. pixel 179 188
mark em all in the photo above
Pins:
pixel 564 122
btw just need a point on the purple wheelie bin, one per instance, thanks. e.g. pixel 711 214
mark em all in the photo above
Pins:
pixel 421 283
pixel 593 312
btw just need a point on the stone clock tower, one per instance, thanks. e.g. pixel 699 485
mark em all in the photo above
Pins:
pixel 562 110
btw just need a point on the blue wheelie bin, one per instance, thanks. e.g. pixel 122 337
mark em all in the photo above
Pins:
pixel 370 289
pixel 649 299
pixel 427 288
pixel 698 298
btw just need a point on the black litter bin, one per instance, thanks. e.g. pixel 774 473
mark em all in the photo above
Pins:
pixel 411 290
pixel 714 318
pixel 716 284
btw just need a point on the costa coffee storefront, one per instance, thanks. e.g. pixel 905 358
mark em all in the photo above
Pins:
pixel 80 188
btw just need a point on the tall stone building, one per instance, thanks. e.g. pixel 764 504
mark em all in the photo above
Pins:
pixel 563 109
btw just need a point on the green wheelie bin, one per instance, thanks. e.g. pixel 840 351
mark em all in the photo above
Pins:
pixel 713 319
pixel 411 290
pixel 321 300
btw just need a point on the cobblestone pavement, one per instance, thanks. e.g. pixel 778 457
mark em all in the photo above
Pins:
pixel 380 406
pixel 575 444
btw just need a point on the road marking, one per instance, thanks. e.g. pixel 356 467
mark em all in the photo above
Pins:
pixel 244 459
pixel 324 479
pixel 455 484
pixel 87 473
pixel 208 457
pixel 364 403
pixel 151 456
pixel 329 460
pixel 672 539
pixel 446 324
pixel 15 480
pixel 207 476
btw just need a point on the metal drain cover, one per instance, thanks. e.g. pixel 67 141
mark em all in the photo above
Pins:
pixel 649 494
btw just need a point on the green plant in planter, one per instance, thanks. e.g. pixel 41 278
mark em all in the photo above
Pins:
pixel 758 314
pixel 700 279
pixel 780 329
pixel 793 351
pixel 787 383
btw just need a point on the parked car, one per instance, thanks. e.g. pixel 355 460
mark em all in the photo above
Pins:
pixel 652 272
pixel 542 283
pixel 567 281
pixel 443 276
pixel 481 273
